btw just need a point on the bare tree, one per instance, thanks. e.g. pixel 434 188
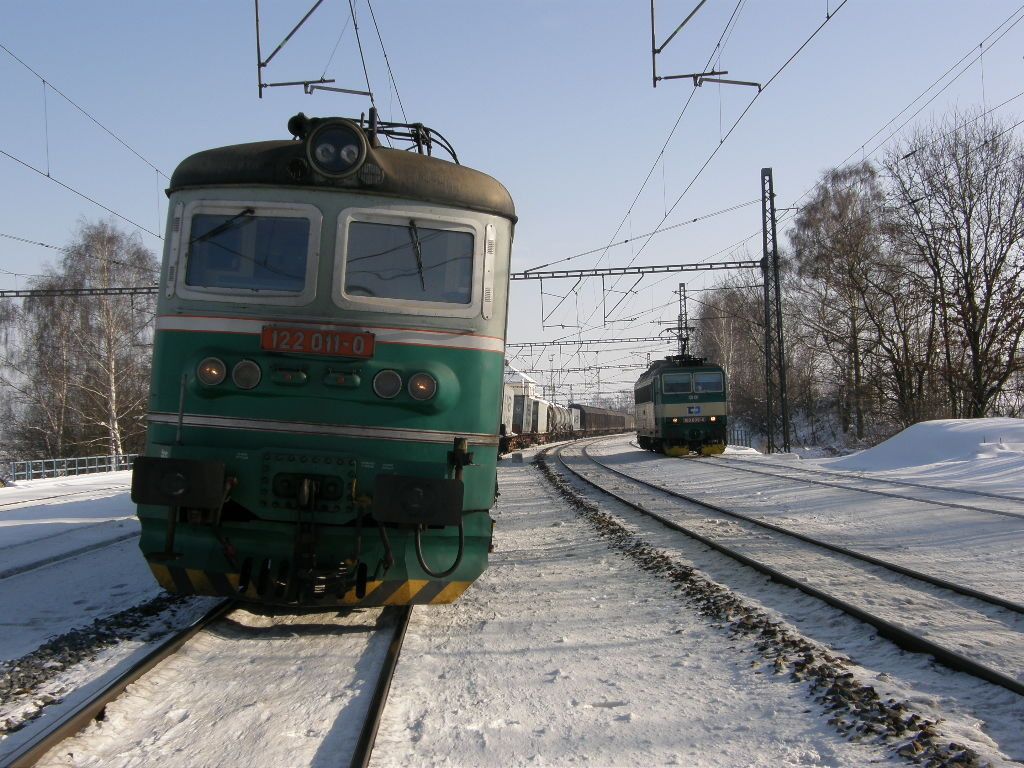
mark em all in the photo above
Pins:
pixel 835 239
pixel 75 370
pixel 960 214
pixel 113 331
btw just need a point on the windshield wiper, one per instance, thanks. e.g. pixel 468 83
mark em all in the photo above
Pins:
pixel 224 226
pixel 415 235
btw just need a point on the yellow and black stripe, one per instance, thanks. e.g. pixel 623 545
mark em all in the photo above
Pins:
pixel 193 581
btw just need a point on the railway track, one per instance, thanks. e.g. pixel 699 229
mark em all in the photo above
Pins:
pixel 27 752
pixel 60 557
pixel 1010 506
pixel 392 623
pixel 918 612
pixel 36 499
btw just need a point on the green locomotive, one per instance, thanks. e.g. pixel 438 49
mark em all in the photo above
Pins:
pixel 681 406
pixel 327 370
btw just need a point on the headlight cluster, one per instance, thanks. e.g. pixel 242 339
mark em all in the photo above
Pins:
pixel 336 148
pixel 387 385
pixel 212 371
pixel 246 374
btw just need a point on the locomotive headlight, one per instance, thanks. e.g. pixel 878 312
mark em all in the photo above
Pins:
pixel 336 148
pixel 712 418
pixel 387 384
pixel 246 374
pixel 211 371
pixel 675 421
pixel 325 153
pixel 422 386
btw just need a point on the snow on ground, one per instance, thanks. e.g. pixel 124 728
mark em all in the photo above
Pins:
pixel 43 520
pixel 256 690
pixel 564 653
pixel 974 548
pixel 976 454
pixel 971 711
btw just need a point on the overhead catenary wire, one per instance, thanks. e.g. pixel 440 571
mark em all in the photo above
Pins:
pixel 359 43
pixel 998 33
pixel 714 152
pixel 334 50
pixel 668 139
pixel 84 111
pixel 81 194
pixel 387 61
pixel 632 238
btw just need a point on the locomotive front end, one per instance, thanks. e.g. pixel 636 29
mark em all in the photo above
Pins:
pixel 327 373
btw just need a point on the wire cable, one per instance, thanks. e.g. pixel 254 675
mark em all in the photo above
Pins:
pixel 80 194
pixel 81 109
pixel 387 60
pixel 362 58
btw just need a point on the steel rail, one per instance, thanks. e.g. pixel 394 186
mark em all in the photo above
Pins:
pixel 78 717
pixel 368 733
pixel 34 499
pixel 60 558
pixel 935 581
pixel 734 464
pixel 901 637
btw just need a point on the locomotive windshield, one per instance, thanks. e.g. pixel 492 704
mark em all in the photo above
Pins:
pixel 409 261
pixel 248 252
pixel 676 383
pixel 707 381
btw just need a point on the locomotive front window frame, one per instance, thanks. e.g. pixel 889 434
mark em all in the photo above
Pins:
pixel 418 225
pixel 230 209
pixel 705 382
pixel 677 383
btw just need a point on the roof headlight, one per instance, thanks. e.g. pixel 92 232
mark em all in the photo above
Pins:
pixel 246 374
pixel 422 386
pixel 325 153
pixel 387 384
pixel 211 371
pixel 336 148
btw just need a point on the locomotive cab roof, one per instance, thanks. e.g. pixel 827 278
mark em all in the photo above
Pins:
pixel 674 362
pixel 346 155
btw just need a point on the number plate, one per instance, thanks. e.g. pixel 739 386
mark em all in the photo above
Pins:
pixel 314 342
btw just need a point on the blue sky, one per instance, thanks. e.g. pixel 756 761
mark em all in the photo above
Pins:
pixel 554 99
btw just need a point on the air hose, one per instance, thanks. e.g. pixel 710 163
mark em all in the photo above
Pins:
pixel 458 559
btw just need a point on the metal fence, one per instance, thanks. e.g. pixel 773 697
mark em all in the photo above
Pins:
pixel 79 465
pixel 739 436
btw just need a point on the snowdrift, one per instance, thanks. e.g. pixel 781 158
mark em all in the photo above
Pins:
pixel 935 442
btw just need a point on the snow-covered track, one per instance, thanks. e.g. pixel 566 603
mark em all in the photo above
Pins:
pixel 251 685
pixel 62 556
pixel 937 581
pixel 1010 506
pixel 76 718
pixel 977 634
pixel 22 502
pixel 368 733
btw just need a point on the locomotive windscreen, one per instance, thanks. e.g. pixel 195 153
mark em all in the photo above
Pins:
pixel 410 262
pixel 248 252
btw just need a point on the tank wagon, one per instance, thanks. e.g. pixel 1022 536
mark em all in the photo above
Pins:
pixel 681 406
pixel 529 420
pixel 327 382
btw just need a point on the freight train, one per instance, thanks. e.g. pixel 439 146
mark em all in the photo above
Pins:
pixel 529 420
pixel 327 370
pixel 681 406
